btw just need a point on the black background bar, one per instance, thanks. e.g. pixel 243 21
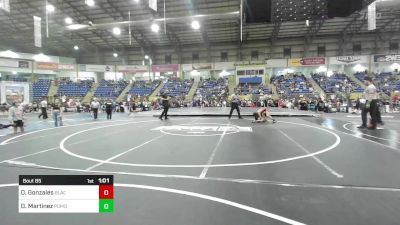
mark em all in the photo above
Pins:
pixel 66 179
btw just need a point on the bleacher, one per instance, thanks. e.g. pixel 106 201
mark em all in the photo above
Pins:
pixel 143 88
pixel 74 89
pixel 40 89
pixel 336 83
pixel 384 82
pixel 177 88
pixel 110 89
pixel 251 85
pixel 292 84
pixel 208 88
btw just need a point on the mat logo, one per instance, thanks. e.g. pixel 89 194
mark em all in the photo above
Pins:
pixel 202 129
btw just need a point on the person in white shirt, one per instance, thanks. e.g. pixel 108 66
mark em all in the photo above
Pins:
pixel 43 108
pixel 371 105
pixel 95 107
pixel 16 116
pixel 235 101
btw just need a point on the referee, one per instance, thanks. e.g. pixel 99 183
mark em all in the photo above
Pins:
pixel 235 105
pixel 165 104
pixel 371 105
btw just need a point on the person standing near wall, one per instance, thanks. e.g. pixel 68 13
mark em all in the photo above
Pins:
pixel 95 105
pixel 16 116
pixel 235 105
pixel 57 110
pixel 43 108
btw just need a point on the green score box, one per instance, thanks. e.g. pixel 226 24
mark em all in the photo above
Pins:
pixel 106 205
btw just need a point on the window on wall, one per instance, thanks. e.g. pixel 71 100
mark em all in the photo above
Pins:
pixel 394 46
pixel 224 57
pixel 168 59
pixel 254 55
pixel 357 48
pixel 287 53
pixel 195 57
pixel 321 51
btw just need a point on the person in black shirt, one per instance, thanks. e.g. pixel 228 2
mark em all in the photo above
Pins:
pixel 109 108
pixel 56 109
pixel 165 103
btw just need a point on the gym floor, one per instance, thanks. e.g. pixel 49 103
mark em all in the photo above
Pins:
pixel 211 170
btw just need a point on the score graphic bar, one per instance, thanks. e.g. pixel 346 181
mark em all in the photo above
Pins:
pixel 66 194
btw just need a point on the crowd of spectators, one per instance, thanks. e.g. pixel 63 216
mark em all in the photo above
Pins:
pixel 252 89
pixel 176 87
pixel 211 93
pixel 292 84
pixel 384 82
pixel 110 89
pixel 337 83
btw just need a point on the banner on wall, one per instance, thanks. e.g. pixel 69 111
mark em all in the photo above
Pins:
pixel 202 66
pixel 250 67
pixel 46 66
pixel 344 60
pixel 15 63
pixel 187 67
pixel 66 66
pixel 96 68
pixel 314 61
pixel 224 66
pixel 14 92
pixel 387 58
pixel 276 63
pixel 132 69
pixel 37 31
pixel 165 68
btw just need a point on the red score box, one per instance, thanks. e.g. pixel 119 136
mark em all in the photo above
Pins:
pixel 106 192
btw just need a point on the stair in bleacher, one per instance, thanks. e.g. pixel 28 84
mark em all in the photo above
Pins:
pixel 273 90
pixel 231 84
pixel 316 87
pixel 156 91
pixel 357 81
pixel 192 91
pixel 53 89
pixel 88 97
pixel 124 93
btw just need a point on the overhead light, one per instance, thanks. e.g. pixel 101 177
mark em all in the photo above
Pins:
pixel 321 69
pixel 195 73
pixel 359 68
pixel 76 26
pixel 76 47
pixel 117 31
pixel 146 57
pixel 50 8
pixel 224 73
pixel 89 2
pixel 196 25
pixel 115 55
pixel 14 72
pixel 307 23
pixel 68 20
pixel 41 57
pixel 9 54
pixel 155 28
pixel 395 66
pixel 136 1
